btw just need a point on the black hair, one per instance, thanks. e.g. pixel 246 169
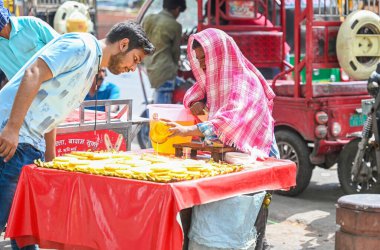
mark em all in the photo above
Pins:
pixel 134 32
pixel 174 4
pixel 196 44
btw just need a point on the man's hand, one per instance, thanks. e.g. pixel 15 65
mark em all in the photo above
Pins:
pixel 8 142
pixel 197 108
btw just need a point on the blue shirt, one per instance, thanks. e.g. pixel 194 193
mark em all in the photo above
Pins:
pixel 74 60
pixel 28 35
pixel 107 91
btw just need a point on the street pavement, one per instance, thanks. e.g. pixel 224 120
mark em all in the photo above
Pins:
pixel 303 222
pixel 308 220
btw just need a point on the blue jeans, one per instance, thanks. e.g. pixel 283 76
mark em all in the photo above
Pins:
pixel 274 149
pixel 9 175
pixel 164 93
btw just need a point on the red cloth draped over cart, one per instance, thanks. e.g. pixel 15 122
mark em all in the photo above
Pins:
pixel 66 210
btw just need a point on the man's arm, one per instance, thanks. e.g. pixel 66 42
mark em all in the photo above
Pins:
pixel 34 76
pixel 50 145
pixel 176 50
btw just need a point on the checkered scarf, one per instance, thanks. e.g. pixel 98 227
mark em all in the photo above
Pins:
pixel 4 15
pixel 239 99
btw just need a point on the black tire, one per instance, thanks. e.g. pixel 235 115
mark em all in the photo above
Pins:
pixel 293 147
pixel 143 135
pixel 345 162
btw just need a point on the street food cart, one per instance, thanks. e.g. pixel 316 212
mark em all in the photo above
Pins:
pixel 70 210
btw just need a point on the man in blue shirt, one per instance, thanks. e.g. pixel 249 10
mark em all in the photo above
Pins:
pixel 20 39
pixel 49 86
pixel 101 90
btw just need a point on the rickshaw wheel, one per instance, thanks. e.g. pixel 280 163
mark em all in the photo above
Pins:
pixel 293 148
pixel 368 179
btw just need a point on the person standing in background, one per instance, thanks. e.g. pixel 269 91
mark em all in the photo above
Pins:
pixel 165 33
pixel 20 39
pixel 102 90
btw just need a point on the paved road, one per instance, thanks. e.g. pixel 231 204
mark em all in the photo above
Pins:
pixel 4 244
pixel 304 222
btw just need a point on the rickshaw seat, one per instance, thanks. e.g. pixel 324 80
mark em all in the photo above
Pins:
pixel 264 48
pixel 286 88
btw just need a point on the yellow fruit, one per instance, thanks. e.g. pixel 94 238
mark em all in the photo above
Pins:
pixel 194 173
pixel 82 153
pixel 178 170
pixel 125 155
pixel 114 166
pixel 123 173
pixel 81 168
pixel 156 158
pixel 134 163
pixel 178 176
pixel 100 156
pixel 63 159
pixel 163 178
pixel 79 162
pixel 159 173
pixel 76 156
pixel 159 132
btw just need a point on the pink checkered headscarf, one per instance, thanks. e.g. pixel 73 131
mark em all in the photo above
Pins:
pixel 238 97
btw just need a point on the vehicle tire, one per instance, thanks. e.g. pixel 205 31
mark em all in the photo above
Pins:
pixel 293 147
pixel 143 135
pixel 355 48
pixel 345 163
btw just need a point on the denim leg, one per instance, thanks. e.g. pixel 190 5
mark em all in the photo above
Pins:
pixel 163 97
pixel 164 94
pixel 30 247
pixel 9 175
pixel 274 152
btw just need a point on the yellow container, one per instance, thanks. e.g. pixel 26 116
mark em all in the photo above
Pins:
pixel 173 112
pixel 76 25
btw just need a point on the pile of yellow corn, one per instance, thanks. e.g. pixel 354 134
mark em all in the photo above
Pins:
pixel 148 167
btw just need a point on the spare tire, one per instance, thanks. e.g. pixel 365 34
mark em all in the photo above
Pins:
pixel 74 11
pixel 358 44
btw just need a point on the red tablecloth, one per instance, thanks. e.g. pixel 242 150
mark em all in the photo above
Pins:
pixel 65 210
